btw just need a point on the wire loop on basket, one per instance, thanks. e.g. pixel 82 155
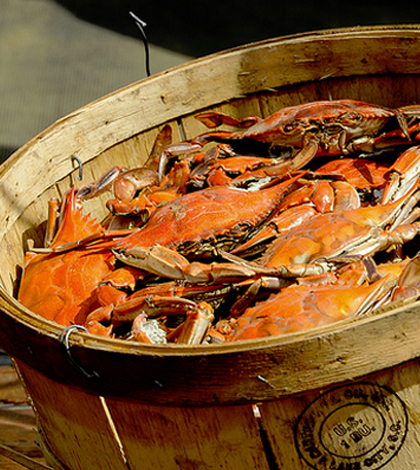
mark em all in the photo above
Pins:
pixel 80 165
pixel 64 339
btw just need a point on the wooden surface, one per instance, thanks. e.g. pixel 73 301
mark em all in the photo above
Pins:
pixel 253 371
pixel 192 438
pixel 75 425
pixel 362 424
pixel 197 85
pixel 18 431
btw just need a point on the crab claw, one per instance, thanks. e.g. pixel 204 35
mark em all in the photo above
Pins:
pixel 104 183
pixel 408 286
pixel 402 175
pixel 152 305
pixel 214 119
pixel 195 327
pixel 95 319
pixel 168 263
pixel 175 150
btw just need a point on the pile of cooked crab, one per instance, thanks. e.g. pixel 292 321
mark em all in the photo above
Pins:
pixel 283 224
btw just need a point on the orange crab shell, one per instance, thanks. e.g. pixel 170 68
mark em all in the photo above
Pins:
pixel 299 308
pixel 60 286
pixel 197 222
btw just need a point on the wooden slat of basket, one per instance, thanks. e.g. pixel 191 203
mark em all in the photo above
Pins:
pixel 75 424
pixel 192 438
pixel 27 230
pixel 388 90
pixel 309 360
pixel 131 153
pixel 394 53
pixel 401 381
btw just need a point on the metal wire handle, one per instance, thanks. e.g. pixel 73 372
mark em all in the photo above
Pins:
pixel 64 340
pixel 141 25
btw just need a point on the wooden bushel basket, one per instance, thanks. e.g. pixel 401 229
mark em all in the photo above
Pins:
pixel 342 397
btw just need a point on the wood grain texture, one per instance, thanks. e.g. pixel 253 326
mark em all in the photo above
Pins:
pixel 13 460
pixel 197 85
pixel 74 424
pixel 255 370
pixel 225 437
pixel 11 390
pixel 362 424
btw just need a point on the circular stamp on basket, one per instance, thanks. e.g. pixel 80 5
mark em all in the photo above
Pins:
pixel 353 427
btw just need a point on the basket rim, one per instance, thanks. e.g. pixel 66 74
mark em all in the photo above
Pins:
pixel 164 78
pixel 258 370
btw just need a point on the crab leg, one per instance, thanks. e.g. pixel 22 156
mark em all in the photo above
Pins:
pixel 168 263
pixel 337 234
pixel 53 205
pixel 408 286
pixel 323 128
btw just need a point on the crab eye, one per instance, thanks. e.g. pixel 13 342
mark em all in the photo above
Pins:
pixel 354 117
pixel 288 128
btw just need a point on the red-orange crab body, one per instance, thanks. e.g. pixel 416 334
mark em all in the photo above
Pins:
pixel 363 174
pixel 323 128
pixel 60 286
pixel 357 232
pixel 199 223
pixel 299 308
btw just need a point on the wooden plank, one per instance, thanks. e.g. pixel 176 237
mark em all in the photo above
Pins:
pixel 262 369
pixel 269 369
pixel 18 433
pixel 18 430
pixel 11 390
pixel 387 90
pixel 189 438
pixel 12 460
pixel 74 424
pixel 8 464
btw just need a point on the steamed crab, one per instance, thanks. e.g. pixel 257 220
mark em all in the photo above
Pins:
pixel 193 237
pixel 321 128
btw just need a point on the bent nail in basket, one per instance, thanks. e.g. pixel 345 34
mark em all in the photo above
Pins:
pixel 346 396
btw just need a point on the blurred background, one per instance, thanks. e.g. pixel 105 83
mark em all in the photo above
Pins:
pixel 58 55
